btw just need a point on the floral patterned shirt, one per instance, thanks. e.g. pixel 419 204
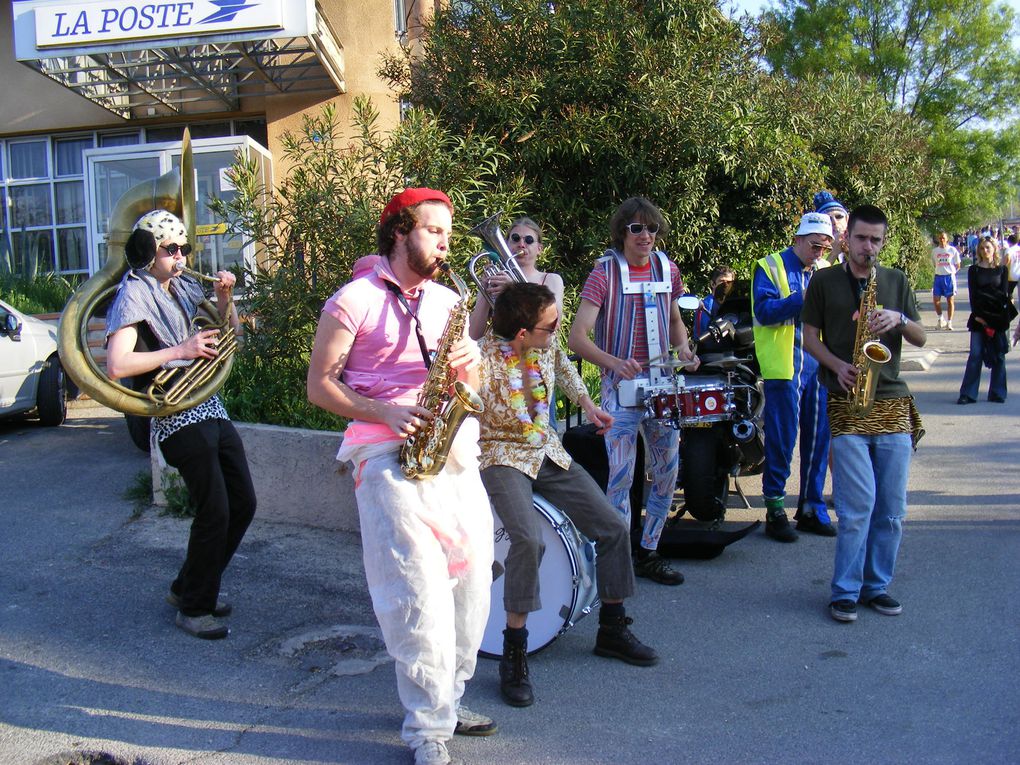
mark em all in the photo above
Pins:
pixel 503 440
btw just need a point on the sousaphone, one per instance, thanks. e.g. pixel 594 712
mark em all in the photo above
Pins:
pixel 169 393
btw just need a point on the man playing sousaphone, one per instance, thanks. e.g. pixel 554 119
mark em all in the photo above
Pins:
pixel 521 454
pixel 153 310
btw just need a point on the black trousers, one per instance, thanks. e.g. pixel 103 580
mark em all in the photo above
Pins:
pixel 211 460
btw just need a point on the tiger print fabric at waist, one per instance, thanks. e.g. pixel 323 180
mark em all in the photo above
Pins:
pixel 889 415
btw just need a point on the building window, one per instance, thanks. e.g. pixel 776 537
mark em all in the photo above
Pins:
pixel 67 154
pixel 27 159
pixel 119 139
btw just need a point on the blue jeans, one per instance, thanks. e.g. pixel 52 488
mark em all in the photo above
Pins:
pixel 869 489
pixel 972 374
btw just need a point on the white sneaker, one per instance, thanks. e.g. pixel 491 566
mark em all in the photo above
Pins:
pixel 432 753
pixel 942 323
pixel 949 326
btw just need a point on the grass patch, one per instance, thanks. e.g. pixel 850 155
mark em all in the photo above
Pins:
pixel 178 500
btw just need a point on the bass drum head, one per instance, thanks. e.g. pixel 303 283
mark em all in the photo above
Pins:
pixel 567 567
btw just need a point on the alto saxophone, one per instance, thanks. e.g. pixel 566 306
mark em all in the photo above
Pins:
pixel 869 354
pixel 424 453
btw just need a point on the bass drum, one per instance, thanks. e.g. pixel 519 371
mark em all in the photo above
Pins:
pixel 566 582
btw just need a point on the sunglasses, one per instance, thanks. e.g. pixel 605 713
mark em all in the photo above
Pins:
pixel 173 248
pixel 820 247
pixel 637 228
pixel 550 330
pixel 528 238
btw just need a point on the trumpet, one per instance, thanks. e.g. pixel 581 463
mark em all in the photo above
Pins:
pixel 501 261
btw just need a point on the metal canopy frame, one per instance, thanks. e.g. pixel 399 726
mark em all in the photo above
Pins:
pixel 200 78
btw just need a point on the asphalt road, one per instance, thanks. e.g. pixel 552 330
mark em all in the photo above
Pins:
pixel 753 669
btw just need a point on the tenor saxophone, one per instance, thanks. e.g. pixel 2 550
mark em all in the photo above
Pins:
pixel 424 453
pixel 869 354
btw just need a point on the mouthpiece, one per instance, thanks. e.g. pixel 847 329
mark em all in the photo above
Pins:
pixel 183 269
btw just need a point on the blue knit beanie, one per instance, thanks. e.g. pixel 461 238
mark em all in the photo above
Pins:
pixel 824 201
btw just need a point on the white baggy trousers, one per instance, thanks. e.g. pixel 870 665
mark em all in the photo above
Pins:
pixel 428 550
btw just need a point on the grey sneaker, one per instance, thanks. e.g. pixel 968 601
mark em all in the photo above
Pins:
pixel 207 627
pixel 886 605
pixel 843 610
pixel 222 607
pixel 432 753
pixel 473 724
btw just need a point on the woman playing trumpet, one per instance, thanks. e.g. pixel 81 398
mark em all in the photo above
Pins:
pixel 149 327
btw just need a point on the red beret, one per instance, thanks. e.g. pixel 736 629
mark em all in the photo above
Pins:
pixel 409 197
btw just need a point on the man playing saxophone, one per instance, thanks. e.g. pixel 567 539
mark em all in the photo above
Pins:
pixel 871 447
pixel 427 541
pixel 149 326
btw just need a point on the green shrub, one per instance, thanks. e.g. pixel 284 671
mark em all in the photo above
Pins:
pixel 47 293
pixel 320 219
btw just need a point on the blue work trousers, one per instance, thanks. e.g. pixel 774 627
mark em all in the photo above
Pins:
pixel 791 406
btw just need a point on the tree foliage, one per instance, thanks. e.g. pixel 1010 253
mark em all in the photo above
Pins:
pixel 599 100
pixel 948 63
pixel 320 219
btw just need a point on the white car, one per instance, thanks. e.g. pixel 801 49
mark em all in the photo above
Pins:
pixel 31 377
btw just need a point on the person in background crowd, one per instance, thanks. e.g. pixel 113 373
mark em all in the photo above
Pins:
pixel 703 316
pixel 989 321
pixel 1011 260
pixel 794 401
pixel 946 260
pixel 828 204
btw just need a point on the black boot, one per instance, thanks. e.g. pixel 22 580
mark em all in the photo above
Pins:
pixel 616 641
pixel 777 525
pixel 514 682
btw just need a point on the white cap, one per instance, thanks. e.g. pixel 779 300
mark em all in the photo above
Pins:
pixel 815 223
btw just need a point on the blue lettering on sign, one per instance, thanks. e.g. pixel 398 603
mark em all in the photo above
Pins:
pixel 81 25
pixel 144 17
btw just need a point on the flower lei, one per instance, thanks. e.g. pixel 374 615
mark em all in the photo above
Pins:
pixel 535 431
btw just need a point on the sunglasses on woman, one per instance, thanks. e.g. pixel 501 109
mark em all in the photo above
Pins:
pixel 528 238
pixel 173 248
pixel 637 228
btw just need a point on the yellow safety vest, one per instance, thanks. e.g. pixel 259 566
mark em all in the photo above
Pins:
pixel 773 343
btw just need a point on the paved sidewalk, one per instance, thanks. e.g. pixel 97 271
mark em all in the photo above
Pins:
pixel 753 669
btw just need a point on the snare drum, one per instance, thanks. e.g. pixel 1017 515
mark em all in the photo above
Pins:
pixel 694 402
pixel 566 582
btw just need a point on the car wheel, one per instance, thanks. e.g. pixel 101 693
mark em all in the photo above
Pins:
pixel 138 428
pixel 51 398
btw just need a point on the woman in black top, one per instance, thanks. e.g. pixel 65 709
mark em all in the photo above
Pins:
pixel 988 324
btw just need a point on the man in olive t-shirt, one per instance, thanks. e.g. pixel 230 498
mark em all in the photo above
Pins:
pixel 871 452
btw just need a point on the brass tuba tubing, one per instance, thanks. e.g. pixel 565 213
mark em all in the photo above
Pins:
pixel 500 261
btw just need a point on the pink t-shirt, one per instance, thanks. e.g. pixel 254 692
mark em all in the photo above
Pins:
pixel 385 360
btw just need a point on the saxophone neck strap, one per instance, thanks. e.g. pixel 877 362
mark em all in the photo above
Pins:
pixel 399 293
